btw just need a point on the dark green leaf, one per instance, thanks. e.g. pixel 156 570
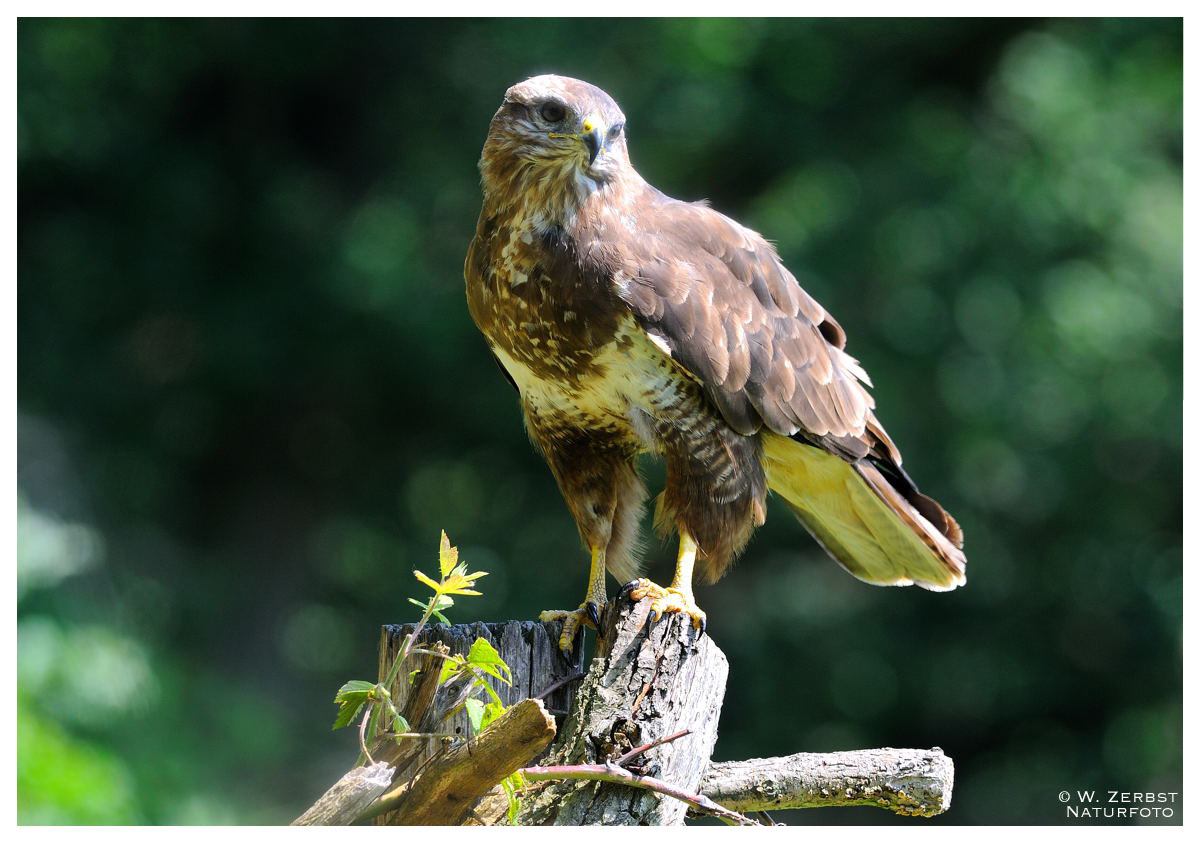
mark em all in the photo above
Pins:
pixel 347 714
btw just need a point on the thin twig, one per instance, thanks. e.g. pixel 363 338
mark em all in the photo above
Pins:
pixel 419 651
pixel 362 733
pixel 619 775
pixel 633 753
pixel 554 687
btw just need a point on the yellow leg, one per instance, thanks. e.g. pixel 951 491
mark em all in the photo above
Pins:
pixel 677 597
pixel 685 561
pixel 590 611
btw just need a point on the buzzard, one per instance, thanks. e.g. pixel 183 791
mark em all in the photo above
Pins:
pixel 631 322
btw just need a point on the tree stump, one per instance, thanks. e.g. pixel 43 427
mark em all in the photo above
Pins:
pixel 529 648
pixel 648 682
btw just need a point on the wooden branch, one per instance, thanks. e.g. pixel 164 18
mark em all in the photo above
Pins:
pixel 343 802
pixel 610 772
pixel 914 782
pixel 451 785
pixel 646 747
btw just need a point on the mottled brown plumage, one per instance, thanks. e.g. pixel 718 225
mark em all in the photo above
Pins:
pixel 631 322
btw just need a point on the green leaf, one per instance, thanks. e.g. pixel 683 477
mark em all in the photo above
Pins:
pixel 450 667
pixel 482 683
pixel 350 699
pixel 355 688
pixel 347 714
pixel 475 709
pixel 447 556
pixel 441 601
pixel 511 785
pixel 399 724
pixel 514 804
pixel 485 657
pixel 490 712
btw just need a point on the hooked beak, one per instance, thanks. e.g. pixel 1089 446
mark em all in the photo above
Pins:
pixel 593 138
pixel 592 133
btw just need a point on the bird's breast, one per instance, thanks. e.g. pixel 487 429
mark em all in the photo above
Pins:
pixel 573 348
pixel 628 389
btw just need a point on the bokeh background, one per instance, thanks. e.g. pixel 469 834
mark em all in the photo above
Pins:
pixel 250 395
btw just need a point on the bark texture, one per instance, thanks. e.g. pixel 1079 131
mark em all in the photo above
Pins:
pixel 647 681
pixel 452 783
pixel 916 782
pixel 529 648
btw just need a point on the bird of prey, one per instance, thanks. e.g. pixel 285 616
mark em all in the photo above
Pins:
pixel 631 322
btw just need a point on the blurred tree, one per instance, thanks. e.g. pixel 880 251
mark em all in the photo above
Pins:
pixel 250 394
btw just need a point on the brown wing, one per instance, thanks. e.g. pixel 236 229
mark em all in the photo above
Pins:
pixel 716 294
pixel 717 298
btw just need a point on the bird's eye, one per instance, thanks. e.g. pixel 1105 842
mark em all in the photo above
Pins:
pixel 615 131
pixel 553 112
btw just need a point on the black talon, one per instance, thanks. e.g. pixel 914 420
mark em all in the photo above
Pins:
pixel 703 627
pixel 593 612
pixel 628 587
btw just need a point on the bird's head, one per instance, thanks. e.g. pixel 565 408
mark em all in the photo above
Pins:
pixel 556 132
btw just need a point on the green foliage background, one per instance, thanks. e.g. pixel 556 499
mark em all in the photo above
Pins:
pixel 250 394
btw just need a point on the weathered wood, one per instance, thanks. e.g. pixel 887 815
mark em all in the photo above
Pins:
pixel 915 782
pixel 349 797
pixel 647 681
pixel 529 648
pixel 452 783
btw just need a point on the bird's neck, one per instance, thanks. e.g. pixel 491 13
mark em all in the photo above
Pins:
pixel 546 198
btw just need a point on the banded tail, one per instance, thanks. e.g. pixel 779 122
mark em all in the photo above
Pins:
pixel 882 532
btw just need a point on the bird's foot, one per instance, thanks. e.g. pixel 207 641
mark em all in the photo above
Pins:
pixel 590 613
pixel 669 599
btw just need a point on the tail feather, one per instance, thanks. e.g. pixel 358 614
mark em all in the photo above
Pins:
pixel 882 532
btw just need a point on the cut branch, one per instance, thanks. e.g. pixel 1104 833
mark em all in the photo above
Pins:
pixel 342 803
pixel 448 788
pixel 914 782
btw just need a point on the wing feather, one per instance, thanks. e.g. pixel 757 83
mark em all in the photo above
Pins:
pixel 736 319
pixel 768 355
